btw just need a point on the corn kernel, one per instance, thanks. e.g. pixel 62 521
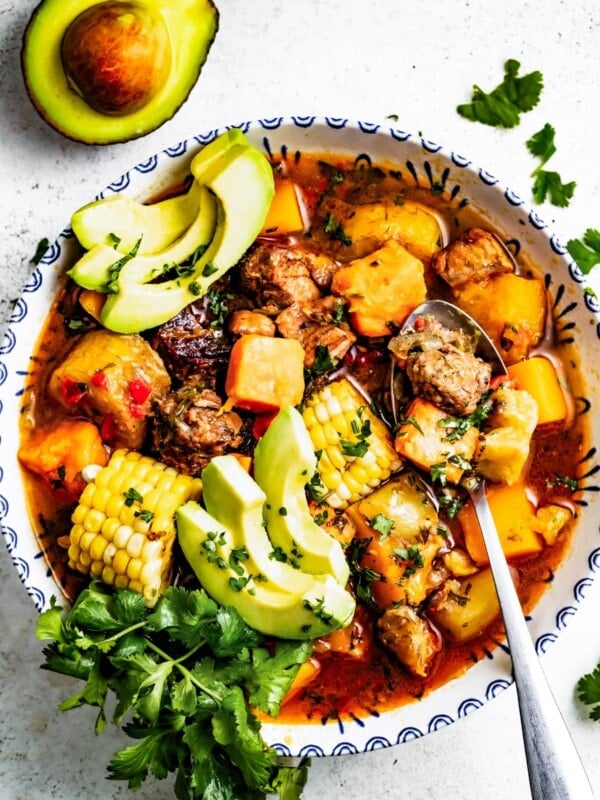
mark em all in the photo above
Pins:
pixel 98 547
pixel 120 562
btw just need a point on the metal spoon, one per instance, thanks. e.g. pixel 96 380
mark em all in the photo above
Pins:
pixel 555 769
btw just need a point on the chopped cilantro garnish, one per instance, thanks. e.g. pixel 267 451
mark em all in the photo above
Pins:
pixel 503 106
pixel 588 691
pixel 585 253
pixel 382 524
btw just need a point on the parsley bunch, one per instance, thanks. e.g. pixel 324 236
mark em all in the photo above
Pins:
pixel 186 674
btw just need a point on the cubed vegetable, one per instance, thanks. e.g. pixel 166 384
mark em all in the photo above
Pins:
pixel 504 447
pixel 514 515
pixel 538 377
pixel 424 441
pixel 284 215
pixel 59 453
pixel 511 309
pixel 410 224
pixel 381 289
pixel 469 608
pixel 265 373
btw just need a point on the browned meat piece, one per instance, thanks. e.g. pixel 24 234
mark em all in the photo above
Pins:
pixel 275 276
pixel 322 268
pixel 441 366
pixel 313 324
pixel 449 378
pixel 410 637
pixel 191 350
pixel 190 428
pixel 474 256
pixel 243 322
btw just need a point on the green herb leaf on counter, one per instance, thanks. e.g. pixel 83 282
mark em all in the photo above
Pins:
pixel 41 248
pixel 181 673
pixel 503 106
pixel 585 253
pixel 542 144
pixel 588 691
pixel 548 185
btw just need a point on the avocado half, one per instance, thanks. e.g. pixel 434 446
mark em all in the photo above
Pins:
pixel 191 25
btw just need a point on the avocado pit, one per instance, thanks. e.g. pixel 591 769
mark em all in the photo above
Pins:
pixel 117 56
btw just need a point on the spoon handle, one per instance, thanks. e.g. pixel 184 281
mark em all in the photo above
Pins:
pixel 555 769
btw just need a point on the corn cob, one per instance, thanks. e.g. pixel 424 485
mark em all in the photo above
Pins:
pixel 123 527
pixel 355 447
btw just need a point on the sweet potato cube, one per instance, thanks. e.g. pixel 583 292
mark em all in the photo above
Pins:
pixel 265 373
pixel 422 440
pixel 381 288
pixel 511 309
pixel 284 215
pixel 538 377
pixel 515 519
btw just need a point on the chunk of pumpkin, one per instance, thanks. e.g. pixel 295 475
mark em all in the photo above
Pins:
pixel 510 308
pixel 381 289
pixel 423 441
pixel 514 515
pixel 284 215
pixel 265 373
pixel 59 453
pixel 504 447
pixel 410 224
pixel 538 377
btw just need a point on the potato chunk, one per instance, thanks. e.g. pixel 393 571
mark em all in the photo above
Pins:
pixel 111 378
pixel 504 447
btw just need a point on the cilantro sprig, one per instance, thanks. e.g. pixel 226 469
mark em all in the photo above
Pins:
pixel 585 252
pixel 503 106
pixel 185 675
pixel 588 691
pixel 548 185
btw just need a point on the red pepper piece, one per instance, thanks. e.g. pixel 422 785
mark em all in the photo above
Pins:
pixel 139 390
pixel 72 391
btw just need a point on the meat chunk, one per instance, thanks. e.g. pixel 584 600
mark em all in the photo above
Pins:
pixel 450 378
pixel 441 367
pixel 410 637
pixel 474 256
pixel 274 276
pixel 191 428
pixel 112 379
pixel 313 325
pixel 191 350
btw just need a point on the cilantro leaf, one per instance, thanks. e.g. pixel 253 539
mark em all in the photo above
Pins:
pixel 548 185
pixel 272 675
pixel 585 253
pixel 588 690
pixel 503 106
pixel 541 144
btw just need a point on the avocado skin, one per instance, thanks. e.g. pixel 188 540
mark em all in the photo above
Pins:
pixel 192 28
pixel 284 462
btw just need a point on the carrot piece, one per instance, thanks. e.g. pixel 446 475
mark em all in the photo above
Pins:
pixel 284 215
pixel 265 373
pixel 537 376
pixel 381 288
pixel 59 453
pixel 515 520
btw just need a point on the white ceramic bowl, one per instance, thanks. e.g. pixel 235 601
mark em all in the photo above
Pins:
pixel 578 313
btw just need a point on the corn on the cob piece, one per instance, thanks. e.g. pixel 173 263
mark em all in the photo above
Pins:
pixel 355 448
pixel 123 527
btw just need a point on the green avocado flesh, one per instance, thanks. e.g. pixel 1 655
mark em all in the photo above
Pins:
pixel 191 26
pixel 232 556
pixel 284 462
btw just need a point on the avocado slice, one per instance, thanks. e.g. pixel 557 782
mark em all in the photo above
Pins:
pixel 230 495
pixel 119 221
pixel 284 462
pixel 102 264
pixel 218 562
pixel 191 28
pixel 242 182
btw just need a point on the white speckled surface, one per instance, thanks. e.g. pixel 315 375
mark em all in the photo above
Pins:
pixel 362 60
